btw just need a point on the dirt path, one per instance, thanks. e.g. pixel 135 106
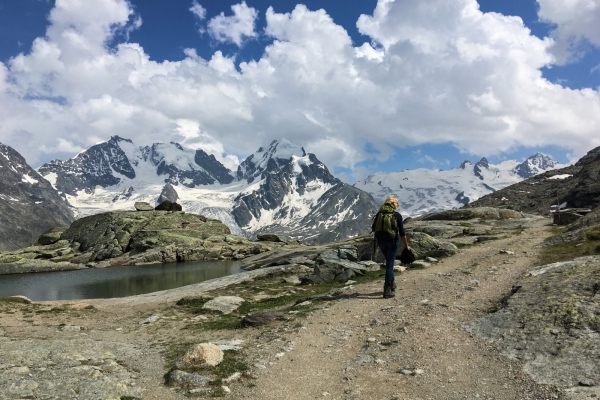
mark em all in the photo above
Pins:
pixel 358 347
pixel 418 331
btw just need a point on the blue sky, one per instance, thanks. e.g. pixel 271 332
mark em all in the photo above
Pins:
pixel 415 86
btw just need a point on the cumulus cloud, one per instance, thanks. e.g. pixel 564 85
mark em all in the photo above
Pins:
pixel 236 27
pixel 577 24
pixel 198 10
pixel 430 72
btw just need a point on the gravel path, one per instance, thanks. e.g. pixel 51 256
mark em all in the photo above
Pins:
pixel 412 346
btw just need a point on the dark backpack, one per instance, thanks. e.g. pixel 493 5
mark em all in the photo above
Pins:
pixel 385 224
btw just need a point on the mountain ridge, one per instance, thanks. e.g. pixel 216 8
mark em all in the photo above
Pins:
pixel 423 191
pixel 29 205
pixel 279 188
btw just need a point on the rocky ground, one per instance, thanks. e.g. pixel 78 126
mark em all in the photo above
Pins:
pixel 334 340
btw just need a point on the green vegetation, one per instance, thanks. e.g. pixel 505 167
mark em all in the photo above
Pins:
pixel 587 245
pixel 288 300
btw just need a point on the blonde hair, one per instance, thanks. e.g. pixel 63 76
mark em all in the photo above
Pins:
pixel 393 201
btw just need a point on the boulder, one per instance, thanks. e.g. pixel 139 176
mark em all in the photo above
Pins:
pixel 143 206
pixel 223 304
pixel 273 237
pixel 348 252
pixel 328 272
pixel 203 354
pixel 331 257
pixel 260 319
pixel 438 230
pixel 424 245
pixel 188 380
pixel 370 265
pixel 472 213
pixel 168 193
pixel 168 206
pixel 292 280
pixel 51 236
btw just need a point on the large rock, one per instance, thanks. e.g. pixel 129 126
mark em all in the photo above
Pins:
pixel 328 272
pixel 168 194
pixel 203 354
pixel 168 206
pixel 143 206
pixel 551 323
pixel 485 213
pixel 50 236
pixel 424 245
pixel 224 304
pixel 274 237
pixel 261 319
pixel 189 381
pixel 133 238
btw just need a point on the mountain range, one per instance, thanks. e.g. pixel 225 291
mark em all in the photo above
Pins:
pixel 422 191
pixel 280 188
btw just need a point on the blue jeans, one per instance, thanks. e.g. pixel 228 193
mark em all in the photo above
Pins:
pixel 388 248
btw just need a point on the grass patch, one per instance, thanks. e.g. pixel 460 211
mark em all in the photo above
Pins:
pixel 283 303
pixel 175 351
pixel 233 361
pixel 224 322
pixel 53 310
pixel 587 245
pixel 571 250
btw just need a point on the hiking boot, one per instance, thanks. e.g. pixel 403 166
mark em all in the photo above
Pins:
pixel 387 292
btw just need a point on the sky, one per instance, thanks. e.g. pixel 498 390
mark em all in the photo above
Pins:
pixel 366 85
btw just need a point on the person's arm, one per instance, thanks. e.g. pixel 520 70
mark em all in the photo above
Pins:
pixel 401 231
pixel 405 242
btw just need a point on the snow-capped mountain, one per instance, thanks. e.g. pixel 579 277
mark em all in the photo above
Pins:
pixel 278 189
pixel 297 195
pixel 423 191
pixel 28 203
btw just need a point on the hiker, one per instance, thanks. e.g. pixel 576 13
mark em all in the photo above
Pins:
pixel 388 228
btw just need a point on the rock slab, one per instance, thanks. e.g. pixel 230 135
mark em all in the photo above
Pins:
pixel 224 304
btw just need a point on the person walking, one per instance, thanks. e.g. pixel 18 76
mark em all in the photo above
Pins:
pixel 388 229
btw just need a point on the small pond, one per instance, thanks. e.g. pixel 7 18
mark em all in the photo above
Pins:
pixel 112 282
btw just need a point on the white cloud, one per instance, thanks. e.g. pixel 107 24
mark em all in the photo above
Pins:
pixel 577 21
pixel 432 72
pixel 236 27
pixel 427 159
pixel 198 10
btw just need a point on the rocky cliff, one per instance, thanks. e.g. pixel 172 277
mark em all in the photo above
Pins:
pixel 28 203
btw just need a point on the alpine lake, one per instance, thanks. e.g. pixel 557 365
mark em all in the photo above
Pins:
pixel 113 282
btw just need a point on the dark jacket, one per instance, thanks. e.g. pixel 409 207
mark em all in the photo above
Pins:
pixel 386 236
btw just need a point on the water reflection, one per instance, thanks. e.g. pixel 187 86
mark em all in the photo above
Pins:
pixel 112 282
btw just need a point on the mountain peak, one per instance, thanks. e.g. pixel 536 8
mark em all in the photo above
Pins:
pixel 279 153
pixel 483 163
pixel 534 165
pixel 465 163
pixel 285 149
pixel 116 139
